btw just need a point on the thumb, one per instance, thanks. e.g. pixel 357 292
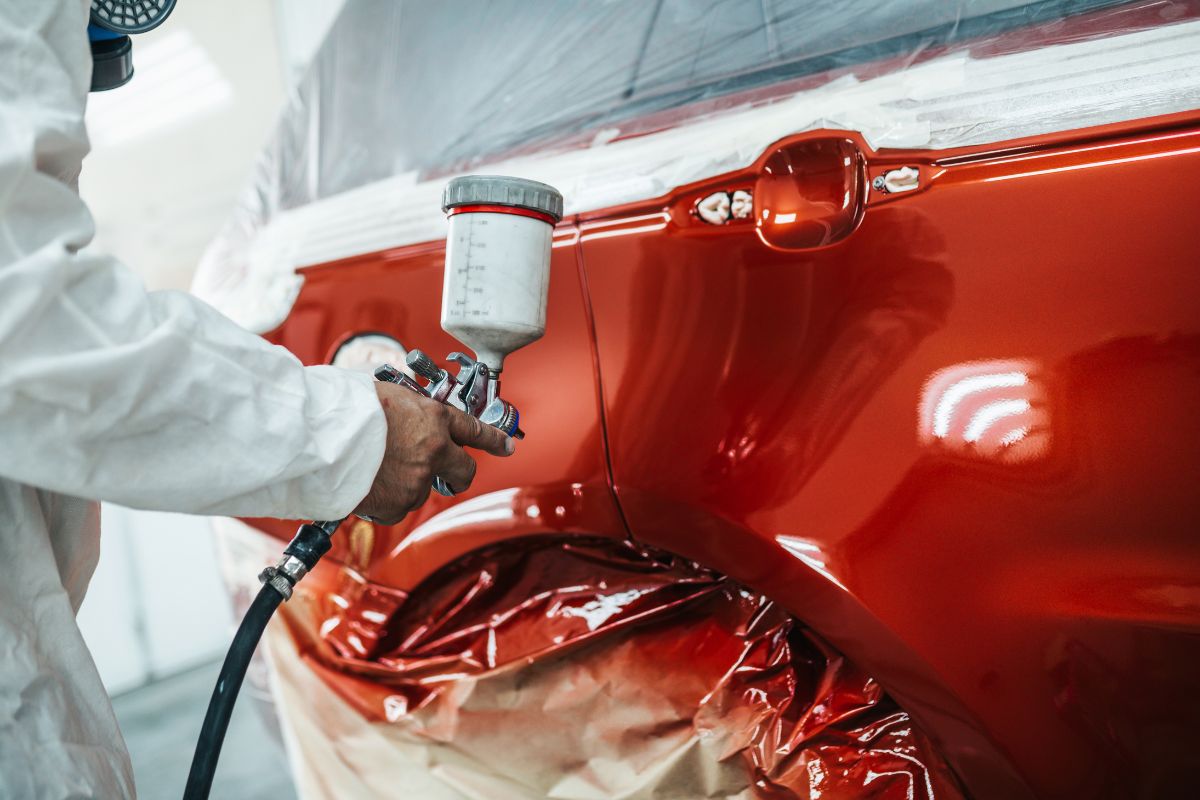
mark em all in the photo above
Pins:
pixel 467 431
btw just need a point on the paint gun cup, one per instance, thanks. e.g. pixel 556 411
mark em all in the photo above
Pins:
pixel 497 281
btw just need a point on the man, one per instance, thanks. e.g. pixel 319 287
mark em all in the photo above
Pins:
pixel 154 401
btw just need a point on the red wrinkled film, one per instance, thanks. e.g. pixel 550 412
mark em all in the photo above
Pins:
pixel 583 667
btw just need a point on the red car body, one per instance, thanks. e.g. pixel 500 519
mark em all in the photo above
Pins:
pixel 791 402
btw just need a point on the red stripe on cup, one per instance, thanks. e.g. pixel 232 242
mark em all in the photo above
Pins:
pixel 495 209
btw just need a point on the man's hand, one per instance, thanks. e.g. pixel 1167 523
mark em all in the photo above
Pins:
pixel 424 439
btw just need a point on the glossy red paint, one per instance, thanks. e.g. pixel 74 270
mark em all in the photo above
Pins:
pixel 765 394
pixel 810 193
pixel 558 484
pixel 762 409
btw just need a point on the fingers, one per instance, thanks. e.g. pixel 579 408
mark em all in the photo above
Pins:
pixel 467 431
pixel 388 519
pixel 422 494
pixel 456 468
pixel 425 439
pixel 389 502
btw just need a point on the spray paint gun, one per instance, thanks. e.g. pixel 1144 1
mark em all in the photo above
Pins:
pixel 493 301
pixel 494 295
pixel 475 391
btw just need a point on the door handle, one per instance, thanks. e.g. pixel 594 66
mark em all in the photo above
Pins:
pixel 810 193
pixel 801 194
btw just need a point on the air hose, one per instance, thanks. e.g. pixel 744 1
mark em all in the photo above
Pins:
pixel 311 542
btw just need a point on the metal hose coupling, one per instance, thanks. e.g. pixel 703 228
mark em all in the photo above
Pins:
pixel 311 541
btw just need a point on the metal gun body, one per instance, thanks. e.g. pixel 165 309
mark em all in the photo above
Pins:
pixel 475 391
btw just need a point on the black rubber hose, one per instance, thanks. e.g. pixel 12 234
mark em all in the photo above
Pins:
pixel 220 707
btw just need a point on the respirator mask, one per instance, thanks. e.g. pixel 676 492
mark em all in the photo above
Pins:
pixel 109 28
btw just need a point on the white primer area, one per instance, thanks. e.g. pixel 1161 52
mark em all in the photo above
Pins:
pixel 951 101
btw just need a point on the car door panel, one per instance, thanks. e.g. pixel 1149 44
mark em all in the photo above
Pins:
pixel 766 412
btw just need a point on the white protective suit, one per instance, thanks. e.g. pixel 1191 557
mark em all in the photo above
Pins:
pixel 154 401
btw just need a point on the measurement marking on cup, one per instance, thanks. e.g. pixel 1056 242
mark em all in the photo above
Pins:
pixel 471 290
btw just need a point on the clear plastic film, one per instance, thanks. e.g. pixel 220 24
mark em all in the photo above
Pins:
pixel 415 87
pixel 625 100
pixel 580 668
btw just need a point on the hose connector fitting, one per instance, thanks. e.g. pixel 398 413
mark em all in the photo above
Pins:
pixel 302 554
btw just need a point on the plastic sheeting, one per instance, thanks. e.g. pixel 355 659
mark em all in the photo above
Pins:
pixel 580 668
pixel 624 100
pixel 409 86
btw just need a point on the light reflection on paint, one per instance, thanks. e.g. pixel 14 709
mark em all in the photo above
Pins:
pixel 488 508
pixel 654 222
pixel 986 409
pixel 783 219
pixel 992 413
pixel 567 238
pixel 625 231
pixel 1014 436
pixel 809 553
pixel 961 389
pixel 1092 164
